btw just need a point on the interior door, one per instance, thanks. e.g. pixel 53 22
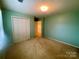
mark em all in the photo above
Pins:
pixel 21 29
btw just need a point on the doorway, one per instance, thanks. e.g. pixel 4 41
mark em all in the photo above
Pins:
pixel 38 27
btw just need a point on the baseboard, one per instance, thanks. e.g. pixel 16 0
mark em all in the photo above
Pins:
pixel 64 42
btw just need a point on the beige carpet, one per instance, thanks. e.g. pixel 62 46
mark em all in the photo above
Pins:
pixel 40 48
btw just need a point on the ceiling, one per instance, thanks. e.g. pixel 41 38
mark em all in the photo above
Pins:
pixel 32 7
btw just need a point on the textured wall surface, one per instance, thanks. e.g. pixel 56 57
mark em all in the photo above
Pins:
pixel 63 27
pixel 3 39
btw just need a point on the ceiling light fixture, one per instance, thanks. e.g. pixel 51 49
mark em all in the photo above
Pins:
pixel 20 0
pixel 44 8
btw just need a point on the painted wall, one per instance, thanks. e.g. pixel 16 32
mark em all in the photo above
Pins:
pixel 3 38
pixel 7 14
pixel 63 27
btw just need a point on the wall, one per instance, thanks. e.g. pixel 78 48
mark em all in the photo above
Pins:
pixel 63 27
pixel 3 39
pixel 7 22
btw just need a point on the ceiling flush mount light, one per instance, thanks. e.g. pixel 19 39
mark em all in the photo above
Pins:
pixel 20 1
pixel 44 8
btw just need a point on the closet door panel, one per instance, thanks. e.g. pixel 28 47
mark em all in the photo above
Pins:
pixel 21 29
